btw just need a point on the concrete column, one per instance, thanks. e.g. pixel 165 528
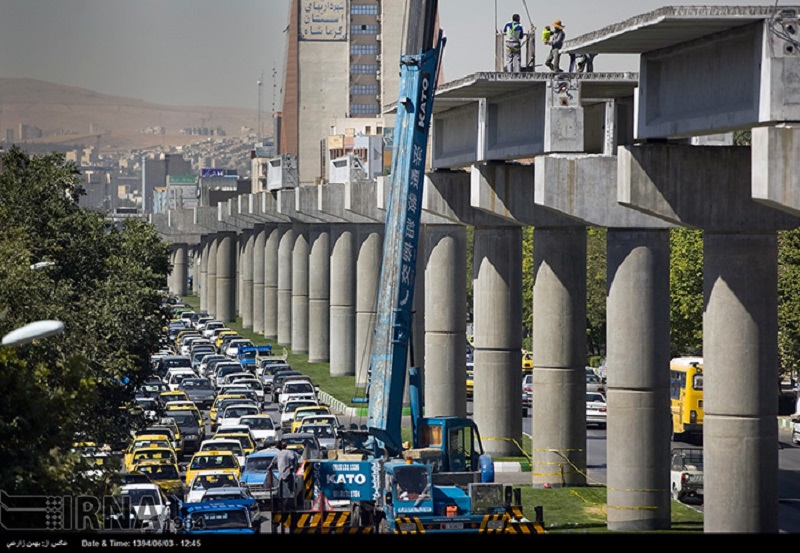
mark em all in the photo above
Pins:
pixel 196 254
pixel 559 357
pixel 246 303
pixel 259 244
pixel 445 320
pixel 205 248
pixel 274 234
pixel 497 393
pixel 239 249
pixel 179 269
pixel 285 249
pixel 343 294
pixel 740 355
pixel 368 275
pixel 300 289
pixel 211 277
pixel 226 277
pixel 319 293
pixel 638 444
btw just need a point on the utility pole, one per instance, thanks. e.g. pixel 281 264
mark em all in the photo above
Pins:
pixel 260 83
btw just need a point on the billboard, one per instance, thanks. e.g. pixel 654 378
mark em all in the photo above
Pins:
pixel 323 21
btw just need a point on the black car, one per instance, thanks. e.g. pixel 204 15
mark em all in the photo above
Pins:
pixel 199 390
pixel 193 434
pixel 172 362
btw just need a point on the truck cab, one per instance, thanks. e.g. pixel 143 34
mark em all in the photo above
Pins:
pixel 453 448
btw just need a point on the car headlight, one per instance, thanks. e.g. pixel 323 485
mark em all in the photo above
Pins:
pixel 190 437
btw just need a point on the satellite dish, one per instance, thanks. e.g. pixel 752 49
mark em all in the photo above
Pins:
pixel 33 331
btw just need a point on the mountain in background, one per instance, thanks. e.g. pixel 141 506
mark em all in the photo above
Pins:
pixel 71 115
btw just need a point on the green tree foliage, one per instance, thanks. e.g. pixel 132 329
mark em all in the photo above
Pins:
pixel 686 292
pixel 103 285
pixel 527 287
pixel 596 292
pixel 789 301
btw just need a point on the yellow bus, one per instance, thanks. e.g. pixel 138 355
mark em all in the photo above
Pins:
pixel 686 396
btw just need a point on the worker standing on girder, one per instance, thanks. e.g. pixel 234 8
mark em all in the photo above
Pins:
pixel 513 41
pixel 556 43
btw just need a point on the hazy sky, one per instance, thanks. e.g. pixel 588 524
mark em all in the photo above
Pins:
pixel 213 52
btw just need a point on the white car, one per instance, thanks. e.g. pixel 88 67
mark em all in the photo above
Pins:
pixel 149 504
pixel 233 413
pixel 210 327
pixel 263 429
pixel 686 475
pixel 251 383
pixel 224 444
pixel 297 389
pixel 208 479
pixel 233 348
pixel 596 409
pixel 175 376
pixel 288 409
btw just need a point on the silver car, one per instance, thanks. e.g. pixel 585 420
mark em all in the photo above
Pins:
pixel 596 409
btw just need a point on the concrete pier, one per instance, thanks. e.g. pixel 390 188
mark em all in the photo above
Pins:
pixel 285 258
pixel 368 274
pixel 259 247
pixel 226 277
pixel 271 264
pixel 319 293
pixel 299 291
pixel 343 294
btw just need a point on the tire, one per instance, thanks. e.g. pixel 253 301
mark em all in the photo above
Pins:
pixel 795 438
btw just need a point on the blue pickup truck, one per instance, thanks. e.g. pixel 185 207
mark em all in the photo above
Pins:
pixel 232 516
pixel 249 356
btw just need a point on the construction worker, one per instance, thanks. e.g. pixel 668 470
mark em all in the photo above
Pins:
pixel 513 40
pixel 556 43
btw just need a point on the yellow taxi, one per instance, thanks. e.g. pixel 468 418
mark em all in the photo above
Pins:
pixel 220 400
pixel 164 473
pixel 470 381
pixel 217 461
pixel 248 445
pixel 301 412
pixel 527 361
pixel 183 334
pixel 221 336
pixel 172 395
pixel 151 453
pixel 146 440
pixel 185 406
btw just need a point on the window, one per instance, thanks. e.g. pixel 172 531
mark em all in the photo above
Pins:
pixel 365 89
pixel 364 49
pixel 364 29
pixel 364 109
pixel 363 9
pixel 364 69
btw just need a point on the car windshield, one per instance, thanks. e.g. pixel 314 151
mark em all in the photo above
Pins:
pixel 153 453
pixel 300 415
pixel 213 462
pixel 233 446
pixel 319 430
pixel 177 362
pixel 258 423
pixel 160 472
pixel 141 496
pixel 246 442
pixel 298 388
pixel 184 418
pixel 257 464
pixel 206 481
pixel 197 384
pixel 291 406
pixel 147 443
pixel 238 412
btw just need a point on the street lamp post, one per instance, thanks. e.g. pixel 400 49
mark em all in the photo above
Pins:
pixel 32 331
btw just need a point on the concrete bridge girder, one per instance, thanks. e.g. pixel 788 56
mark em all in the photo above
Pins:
pixel 704 187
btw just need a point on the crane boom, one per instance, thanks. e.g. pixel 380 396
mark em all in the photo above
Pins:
pixel 389 356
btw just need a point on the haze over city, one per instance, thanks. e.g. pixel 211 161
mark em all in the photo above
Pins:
pixel 213 53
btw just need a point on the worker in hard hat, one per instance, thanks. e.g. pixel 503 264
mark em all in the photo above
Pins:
pixel 556 43
pixel 514 34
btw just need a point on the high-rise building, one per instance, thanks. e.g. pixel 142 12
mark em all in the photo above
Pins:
pixel 342 61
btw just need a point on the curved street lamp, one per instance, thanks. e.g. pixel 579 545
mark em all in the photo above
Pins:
pixel 33 331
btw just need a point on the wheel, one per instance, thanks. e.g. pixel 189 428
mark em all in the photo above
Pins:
pixel 795 438
pixel 675 494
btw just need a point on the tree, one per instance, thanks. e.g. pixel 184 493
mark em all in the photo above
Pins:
pixel 686 292
pixel 103 285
